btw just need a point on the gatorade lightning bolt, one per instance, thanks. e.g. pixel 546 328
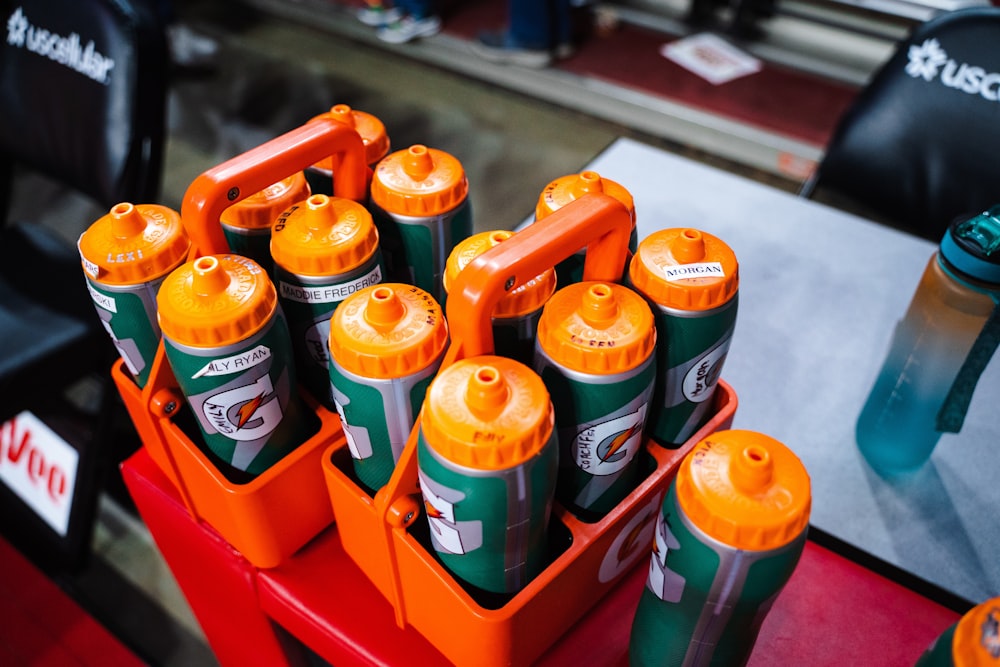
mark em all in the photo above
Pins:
pixel 972 642
pixel 325 249
pixel 569 188
pixel 228 345
pixel 595 354
pixel 730 534
pixel 386 344
pixel 126 254
pixel 373 136
pixel 515 319
pixel 247 224
pixel 487 462
pixel 691 280
pixel 420 203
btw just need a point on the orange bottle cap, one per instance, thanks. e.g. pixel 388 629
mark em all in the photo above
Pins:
pixel 215 300
pixel 686 269
pixel 598 328
pixel 745 489
pixel 487 413
pixel 970 645
pixel 386 331
pixel 324 236
pixel 527 298
pixel 419 182
pixel 259 210
pixel 569 188
pixel 133 243
pixel 370 128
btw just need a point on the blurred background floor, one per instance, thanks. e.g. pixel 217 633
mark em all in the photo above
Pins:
pixel 278 63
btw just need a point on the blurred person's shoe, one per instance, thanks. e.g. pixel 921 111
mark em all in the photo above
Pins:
pixel 564 50
pixel 380 16
pixel 498 47
pixel 409 28
pixel 190 50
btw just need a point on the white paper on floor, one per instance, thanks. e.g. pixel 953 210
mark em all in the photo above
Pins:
pixel 711 57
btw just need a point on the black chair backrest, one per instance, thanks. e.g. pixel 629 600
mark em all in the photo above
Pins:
pixel 82 86
pixel 82 102
pixel 921 144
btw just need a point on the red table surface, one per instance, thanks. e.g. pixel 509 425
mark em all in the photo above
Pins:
pixel 832 612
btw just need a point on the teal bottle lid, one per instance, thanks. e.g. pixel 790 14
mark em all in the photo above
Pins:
pixel 972 246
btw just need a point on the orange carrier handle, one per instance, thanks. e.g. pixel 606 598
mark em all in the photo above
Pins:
pixel 232 181
pixel 236 179
pixel 597 222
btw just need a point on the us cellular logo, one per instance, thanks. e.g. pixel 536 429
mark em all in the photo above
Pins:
pixel 68 51
pixel 929 61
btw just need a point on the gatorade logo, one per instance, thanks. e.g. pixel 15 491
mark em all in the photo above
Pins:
pixel 68 51
pixel 358 439
pixel 664 582
pixel 607 447
pixel 245 413
pixel 699 382
pixel 448 534
pixel 632 542
pixel 930 62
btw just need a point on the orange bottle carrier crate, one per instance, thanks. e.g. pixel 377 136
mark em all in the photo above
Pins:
pixel 382 536
pixel 272 516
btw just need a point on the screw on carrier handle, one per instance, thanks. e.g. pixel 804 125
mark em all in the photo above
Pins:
pixel 595 221
pixel 236 179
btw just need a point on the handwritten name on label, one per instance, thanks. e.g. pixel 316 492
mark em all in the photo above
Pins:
pixel 102 300
pixel 688 271
pixel 237 363
pixel 330 293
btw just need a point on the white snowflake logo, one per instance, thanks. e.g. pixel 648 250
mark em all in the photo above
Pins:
pixel 926 60
pixel 17 27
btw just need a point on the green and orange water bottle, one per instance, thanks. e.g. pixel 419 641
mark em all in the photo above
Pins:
pixel 419 199
pixel 974 641
pixel 487 460
pixel 729 536
pixel 374 137
pixel 228 345
pixel 247 224
pixel 325 249
pixel 126 256
pixel 596 354
pixel 691 280
pixel 386 344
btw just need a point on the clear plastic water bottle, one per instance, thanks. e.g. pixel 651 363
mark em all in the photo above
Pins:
pixel 938 350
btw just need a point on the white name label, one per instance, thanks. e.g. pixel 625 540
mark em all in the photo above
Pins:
pixel 688 271
pixel 237 363
pixel 330 293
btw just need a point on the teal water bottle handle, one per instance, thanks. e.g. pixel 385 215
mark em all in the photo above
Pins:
pixel 951 416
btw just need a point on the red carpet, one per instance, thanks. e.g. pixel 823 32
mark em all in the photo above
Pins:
pixel 776 99
pixel 43 627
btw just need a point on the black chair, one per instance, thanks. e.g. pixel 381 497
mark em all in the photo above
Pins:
pixel 919 145
pixel 82 104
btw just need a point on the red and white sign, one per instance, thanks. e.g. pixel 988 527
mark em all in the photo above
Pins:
pixel 40 467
